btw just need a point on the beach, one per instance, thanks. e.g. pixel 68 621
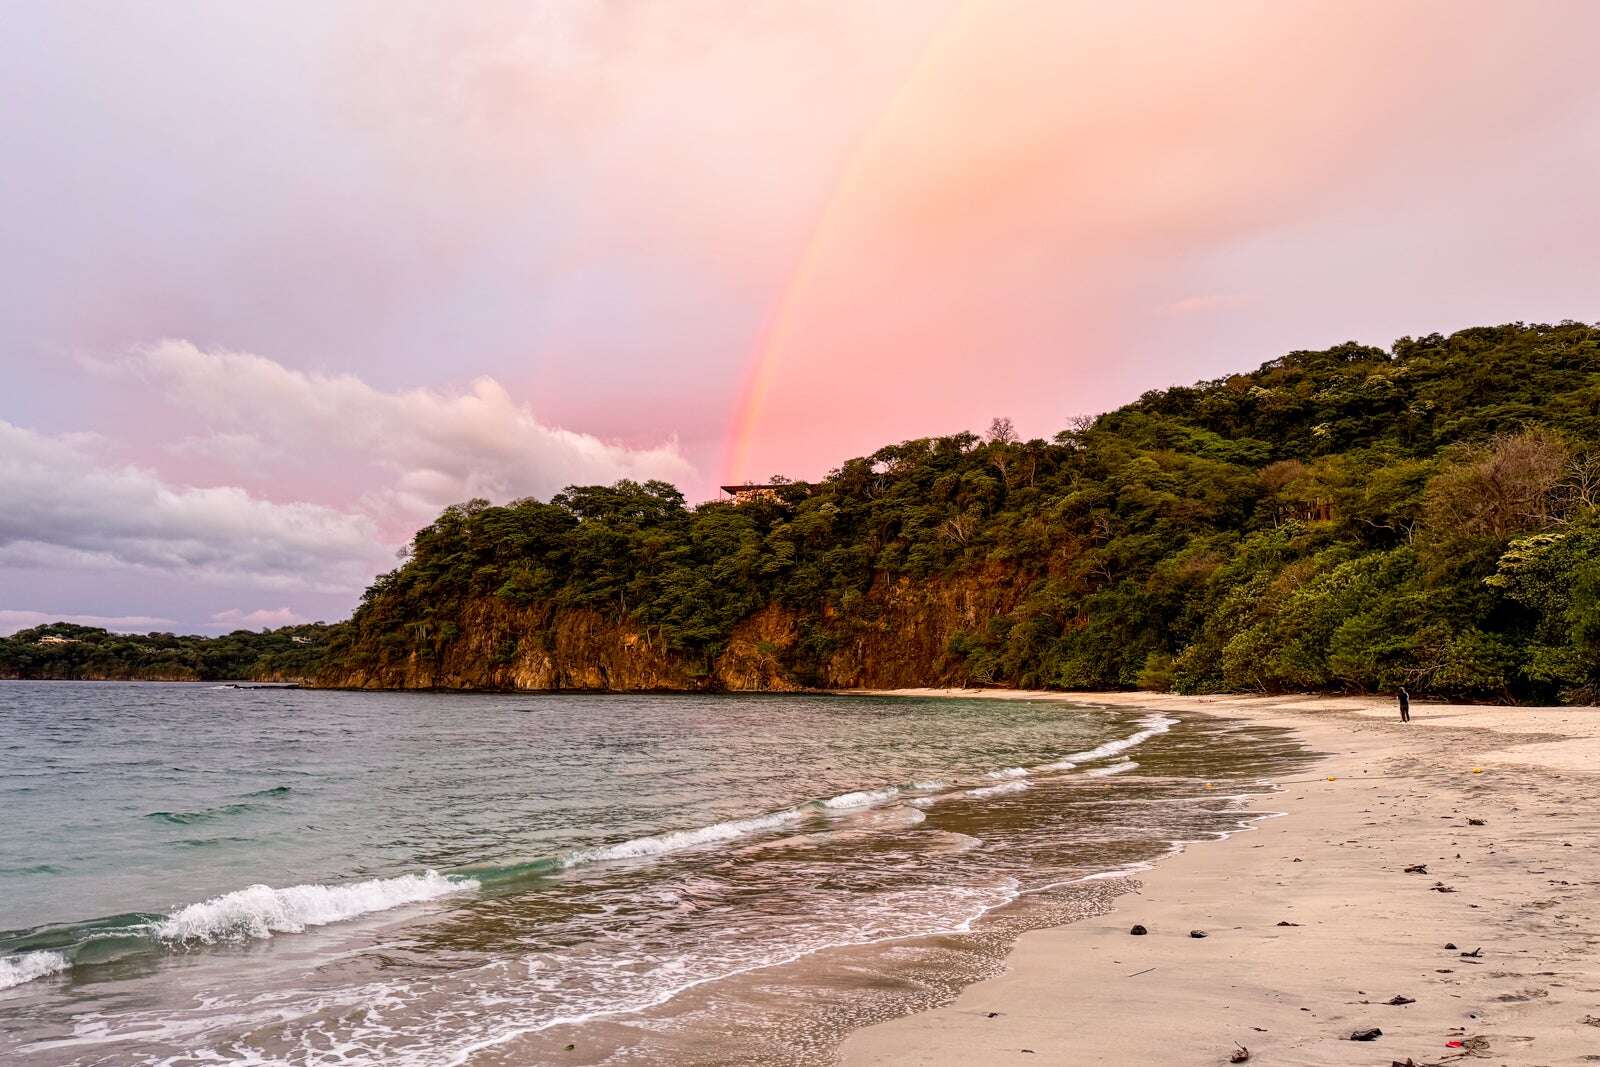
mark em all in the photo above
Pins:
pixel 1313 924
pixel 293 876
pixel 883 879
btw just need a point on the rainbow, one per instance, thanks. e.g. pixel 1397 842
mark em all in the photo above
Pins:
pixel 773 344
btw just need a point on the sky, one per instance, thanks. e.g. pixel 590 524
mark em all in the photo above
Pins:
pixel 279 282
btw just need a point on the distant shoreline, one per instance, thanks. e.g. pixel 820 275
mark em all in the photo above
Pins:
pixel 1113 697
pixel 1313 924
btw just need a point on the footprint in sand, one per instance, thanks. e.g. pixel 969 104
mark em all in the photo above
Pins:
pixel 1522 995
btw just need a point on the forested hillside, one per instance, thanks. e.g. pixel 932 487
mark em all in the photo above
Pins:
pixel 1347 519
pixel 64 651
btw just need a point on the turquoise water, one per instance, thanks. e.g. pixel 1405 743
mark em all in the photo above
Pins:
pixel 196 874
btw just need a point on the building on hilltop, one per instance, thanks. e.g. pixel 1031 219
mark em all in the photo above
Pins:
pixel 750 492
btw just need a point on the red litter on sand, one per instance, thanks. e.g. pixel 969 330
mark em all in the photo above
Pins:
pixel 1453 1044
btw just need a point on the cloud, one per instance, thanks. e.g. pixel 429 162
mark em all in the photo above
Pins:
pixel 235 448
pixel 12 620
pixel 66 507
pixel 434 448
pixel 265 477
pixel 259 619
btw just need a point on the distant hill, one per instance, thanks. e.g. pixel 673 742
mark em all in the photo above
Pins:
pixel 1349 519
pixel 64 651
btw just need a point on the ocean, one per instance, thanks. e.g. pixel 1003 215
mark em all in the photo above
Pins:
pixel 194 874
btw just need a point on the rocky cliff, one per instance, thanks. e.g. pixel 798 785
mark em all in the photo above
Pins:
pixel 898 636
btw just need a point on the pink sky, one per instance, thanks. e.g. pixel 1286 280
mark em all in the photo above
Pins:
pixel 282 281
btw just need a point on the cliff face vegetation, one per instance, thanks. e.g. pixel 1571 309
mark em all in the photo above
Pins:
pixel 1347 519
pixel 490 644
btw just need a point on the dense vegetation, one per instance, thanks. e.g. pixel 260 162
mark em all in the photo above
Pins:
pixel 65 651
pixel 1346 519
pixel 1349 519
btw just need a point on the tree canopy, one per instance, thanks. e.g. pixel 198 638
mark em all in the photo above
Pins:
pixel 66 651
pixel 1347 519
pixel 1350 519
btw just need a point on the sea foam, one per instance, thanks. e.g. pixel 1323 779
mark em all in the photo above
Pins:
pixel 260 911
pixel 677 840
pixel 26 966
pixel 1154 726
pixel 1015 786
pixel 862 798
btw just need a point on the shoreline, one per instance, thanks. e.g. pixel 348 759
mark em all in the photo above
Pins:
pixel 1519 887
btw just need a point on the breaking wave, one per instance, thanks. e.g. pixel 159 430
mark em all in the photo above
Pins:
pixel 1154 726
pixel 678 840
pixel 1003 788
pixel 862 798
pixel 260 911
pixel 25 967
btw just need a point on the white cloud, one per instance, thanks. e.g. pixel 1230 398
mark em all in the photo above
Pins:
pixel 12 620
pixel 65 507
pixel 259 619
pixel 436 448
pixel 388 461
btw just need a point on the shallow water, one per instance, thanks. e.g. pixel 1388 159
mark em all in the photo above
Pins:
pixel 192 874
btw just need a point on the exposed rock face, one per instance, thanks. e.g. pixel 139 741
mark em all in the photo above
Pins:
pixel 903 637
pixel 898 638
pixel 495 645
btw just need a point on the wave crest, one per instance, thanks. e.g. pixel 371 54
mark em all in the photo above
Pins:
pixel 1015 786
pixel 26 966
pixel 260 911
pixel 677 840
pixel 862 798
pixel 1154 726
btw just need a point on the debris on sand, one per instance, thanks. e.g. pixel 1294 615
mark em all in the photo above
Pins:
pixel 1286 922
pixel 1240 1054
pixel 1138 930
pixel 1400 998
pixel 1450 945
pixel 1198 933
pixel 1477 822
pixel 1440 887
pixel 1367 1035
pixel 1417 868
pixel 1474 954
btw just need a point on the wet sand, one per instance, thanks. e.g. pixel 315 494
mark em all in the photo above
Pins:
pixel 1521 887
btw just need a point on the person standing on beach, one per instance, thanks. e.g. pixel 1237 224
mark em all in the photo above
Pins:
pixel 1405 705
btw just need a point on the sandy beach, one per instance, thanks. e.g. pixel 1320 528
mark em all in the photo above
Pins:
pixel 1487 949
